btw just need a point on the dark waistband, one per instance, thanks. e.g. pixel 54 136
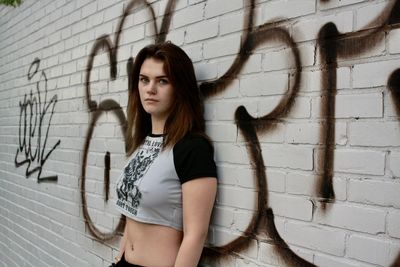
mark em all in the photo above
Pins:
pixel 124 263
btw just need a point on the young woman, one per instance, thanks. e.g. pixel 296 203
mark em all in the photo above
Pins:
pixel 168 187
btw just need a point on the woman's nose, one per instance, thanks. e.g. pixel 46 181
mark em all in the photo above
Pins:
pixel 152 88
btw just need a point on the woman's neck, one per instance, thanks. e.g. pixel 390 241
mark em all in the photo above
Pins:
pixel 157 126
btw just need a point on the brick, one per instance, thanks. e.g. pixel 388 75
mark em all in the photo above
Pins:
pixel 222 217
pixel 252 64
pixel 300 184
pixel 160 11
pixel 231 153
pixel 113 12
pixel 337 3
pixel 188 15
pixel 289 206
pixel 79 52
pixel 237 197
pixel 95 20
pixel 231 22
pixel 340 187
pixel 195 52
pixel 278 60
pixel 308 28
pixel 225 110
pixel 221 236
pixel 193 2
pixel 307 54
pixel 331 241
pixel 303 133
pixel 301 107
pixel 374 192
pixel 276 134
pixel 264 84
pixel 222 132
pixel 223 46
pixel 304 254
pixel 287 9
pixel 293 157
pixel 242 219
pixel 132 35
pixel 231 91
pixel 218 7
pixel 359 161
pixel 209 111
pixel 359 106
pixel 368 249
pixel 206 71
pixel 82 3
pixel 393 222
pixel 394 161
pixel 74 16
pixel 329 261
pixel 103 28
pixel 355 218
pixel 232 175
pixel 69 68
pixel 89 9
pixel 364 15
pixel 141 16
pixel 85 37
pixel 374 134
pixel 203 30
pixel 373 74
pixel 393 39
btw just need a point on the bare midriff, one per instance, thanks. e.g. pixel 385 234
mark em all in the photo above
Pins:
pixel 150 244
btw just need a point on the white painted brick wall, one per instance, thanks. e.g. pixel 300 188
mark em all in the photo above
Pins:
pixel 42 224
pixel 366 249
pixel 353 217
pixel 331 241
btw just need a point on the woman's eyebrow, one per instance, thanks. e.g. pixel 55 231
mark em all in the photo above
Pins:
pixel 157 77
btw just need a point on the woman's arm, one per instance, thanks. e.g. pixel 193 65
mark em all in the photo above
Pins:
pixel 198 198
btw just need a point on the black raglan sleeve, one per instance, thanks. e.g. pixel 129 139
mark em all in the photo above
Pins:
pixel 194 158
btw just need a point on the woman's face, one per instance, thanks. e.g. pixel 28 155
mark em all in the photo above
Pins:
pixel 155 89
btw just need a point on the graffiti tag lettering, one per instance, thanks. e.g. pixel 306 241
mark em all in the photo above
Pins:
pixel 32 109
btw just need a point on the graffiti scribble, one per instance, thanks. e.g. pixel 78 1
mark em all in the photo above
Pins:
pixel 32 109
pixel 110 105
pixel 332 45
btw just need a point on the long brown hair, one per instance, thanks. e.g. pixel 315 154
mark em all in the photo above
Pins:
pixel 187 110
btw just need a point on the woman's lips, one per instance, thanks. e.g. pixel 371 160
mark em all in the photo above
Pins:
pixel 150 100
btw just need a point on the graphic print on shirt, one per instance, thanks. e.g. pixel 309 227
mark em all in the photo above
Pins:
pixel 128 191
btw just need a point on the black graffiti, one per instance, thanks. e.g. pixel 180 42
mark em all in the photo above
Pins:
pixel 394 86
pixel 31 108
pixel 109 105
pixel 332 44
pixel 251 128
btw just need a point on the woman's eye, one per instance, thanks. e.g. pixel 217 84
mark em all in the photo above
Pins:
pixel 143 80
pixel 163 81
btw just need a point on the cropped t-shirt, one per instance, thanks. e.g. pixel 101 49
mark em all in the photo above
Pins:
pixel 149 188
